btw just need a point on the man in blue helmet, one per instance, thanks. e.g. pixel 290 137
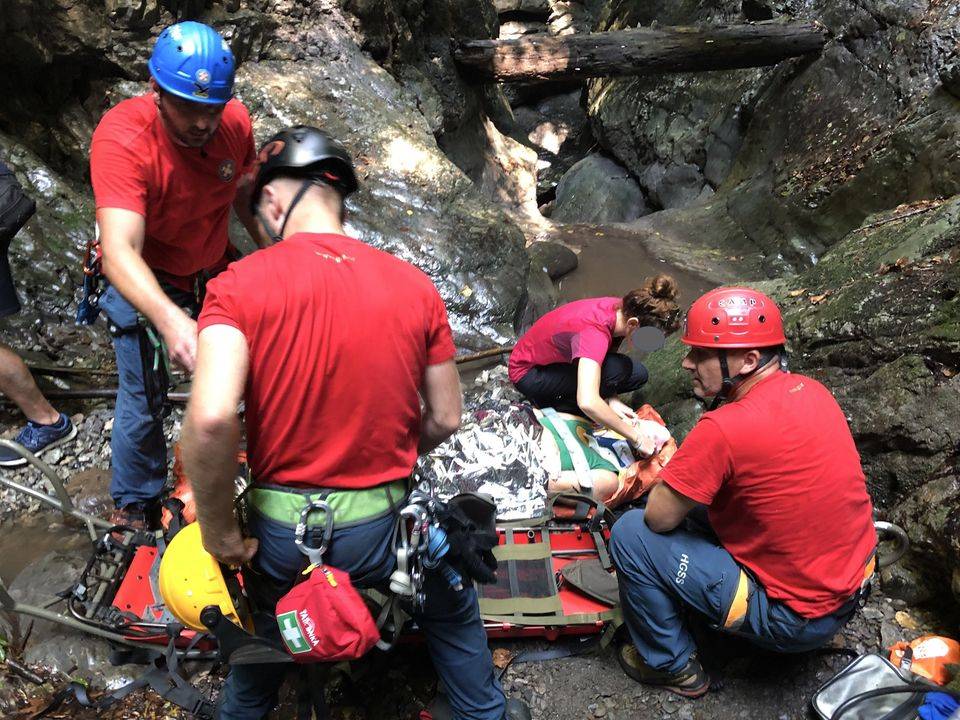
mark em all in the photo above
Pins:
pixel 165 167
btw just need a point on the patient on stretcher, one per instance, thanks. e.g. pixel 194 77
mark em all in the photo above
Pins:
pixel 582 457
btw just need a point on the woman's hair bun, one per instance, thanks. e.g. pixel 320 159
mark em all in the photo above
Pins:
pixel 663 287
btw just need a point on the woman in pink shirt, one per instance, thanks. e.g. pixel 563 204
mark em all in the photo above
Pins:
pixel 568 359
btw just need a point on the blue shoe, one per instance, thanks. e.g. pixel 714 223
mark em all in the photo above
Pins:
pixel 38 439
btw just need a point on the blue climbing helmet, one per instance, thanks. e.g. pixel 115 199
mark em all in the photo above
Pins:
pixel 191 60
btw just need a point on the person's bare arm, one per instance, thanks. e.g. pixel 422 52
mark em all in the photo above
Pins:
pixel 597 409
pixel 442 404
pixel 666 508
pixel 121 236
pixel 211 438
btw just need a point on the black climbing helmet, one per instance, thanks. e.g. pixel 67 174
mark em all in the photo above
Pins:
pixel 304 152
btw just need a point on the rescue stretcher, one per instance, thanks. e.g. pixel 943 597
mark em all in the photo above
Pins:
pixel 554 579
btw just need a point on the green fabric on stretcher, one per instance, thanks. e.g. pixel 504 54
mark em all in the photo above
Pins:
pixel 582 430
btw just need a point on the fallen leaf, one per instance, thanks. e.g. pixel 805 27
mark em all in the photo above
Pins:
pixel 817 299
pixel 502 657
pixel 797 293
pixel 905 620
pixel 467 291
pixel 948 372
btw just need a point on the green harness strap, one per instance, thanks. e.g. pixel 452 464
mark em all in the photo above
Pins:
pixel 350 507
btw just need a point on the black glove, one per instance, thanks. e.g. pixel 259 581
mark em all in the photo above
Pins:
pixel 471 548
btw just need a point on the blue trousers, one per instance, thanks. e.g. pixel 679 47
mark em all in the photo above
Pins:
pixel 661 575
pixel 450 620
pixel 137 443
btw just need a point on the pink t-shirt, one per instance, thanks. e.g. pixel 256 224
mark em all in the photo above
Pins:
pixel 580 329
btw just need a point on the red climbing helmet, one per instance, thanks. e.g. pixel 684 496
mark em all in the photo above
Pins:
pixel 733 317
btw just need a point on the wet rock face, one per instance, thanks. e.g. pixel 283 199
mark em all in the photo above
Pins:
pixel 678 133
pixel 57 53
pixel 412 40
pixel 801 153
pixel 597 190
pixel 414 202
pixel 45 260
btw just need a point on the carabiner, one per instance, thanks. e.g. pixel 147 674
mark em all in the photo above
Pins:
pixel 314 555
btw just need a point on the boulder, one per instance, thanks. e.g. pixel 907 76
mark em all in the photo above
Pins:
pixel 555 259
pixel 542 297
pixel 597 190
pixel 512 29
pixel 559 129
pixel 679 133
pixel 532 7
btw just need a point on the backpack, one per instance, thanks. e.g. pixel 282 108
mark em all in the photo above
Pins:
pixel 15 206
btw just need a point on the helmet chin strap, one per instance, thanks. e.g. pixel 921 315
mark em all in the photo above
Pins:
pixel 278 236
pixel 730 384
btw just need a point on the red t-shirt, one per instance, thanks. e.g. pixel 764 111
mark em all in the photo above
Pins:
pixel 339 335
pixel 787 497
pixel 583 328
pixel 184 193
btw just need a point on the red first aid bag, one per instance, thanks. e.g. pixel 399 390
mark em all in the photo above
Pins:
pixel 324 619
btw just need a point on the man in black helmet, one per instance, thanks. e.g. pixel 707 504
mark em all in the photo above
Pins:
pixel 289 331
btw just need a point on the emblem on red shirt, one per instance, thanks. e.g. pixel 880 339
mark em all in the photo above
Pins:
pixel 226 170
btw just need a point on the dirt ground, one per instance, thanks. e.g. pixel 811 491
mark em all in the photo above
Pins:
pixel 748 683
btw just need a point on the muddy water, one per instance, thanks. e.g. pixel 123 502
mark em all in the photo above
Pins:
pixel 30 538
pixel 613 262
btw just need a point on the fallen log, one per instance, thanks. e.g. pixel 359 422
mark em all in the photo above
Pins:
pixel 637 52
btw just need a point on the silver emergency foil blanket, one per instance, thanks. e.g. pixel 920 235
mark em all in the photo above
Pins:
pixel 496 451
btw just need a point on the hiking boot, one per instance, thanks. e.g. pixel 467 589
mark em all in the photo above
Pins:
pixel 133 516
pixel 690 681
pixel 38 439
pixel 516 710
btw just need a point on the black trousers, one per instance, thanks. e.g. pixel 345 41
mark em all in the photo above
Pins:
pixel 556 385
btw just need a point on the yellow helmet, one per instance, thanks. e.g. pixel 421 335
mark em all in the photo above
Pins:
pixel 191 579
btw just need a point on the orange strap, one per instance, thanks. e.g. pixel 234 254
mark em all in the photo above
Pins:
pixel 869 569
pixel 737 612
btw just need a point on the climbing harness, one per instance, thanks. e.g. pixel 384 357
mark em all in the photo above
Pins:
pixel 89 308
pixel 420 545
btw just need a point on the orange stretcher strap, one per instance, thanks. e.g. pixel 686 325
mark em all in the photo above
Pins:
pixel 738 608
pixel 869 569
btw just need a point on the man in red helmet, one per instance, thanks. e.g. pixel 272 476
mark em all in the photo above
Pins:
pixel 789 540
